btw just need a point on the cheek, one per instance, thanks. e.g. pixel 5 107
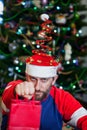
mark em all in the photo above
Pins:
pixel 46 87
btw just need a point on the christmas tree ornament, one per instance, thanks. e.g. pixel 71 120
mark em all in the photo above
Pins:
pixel 10 25
pixel 16 61
pixel 68 52
pixel 10 71
pixel 19 1
pixel 46 26
pixel 29 33
pixel 54 47
pixel 71 9
pixel 41 34
pixel 44 34
pixel 13 46
pixel 58 30
pixel 37 3
pixel 27 3
pixel 22 30
pixel 44 2
pixel 60 19
pixel 1 11
pixel 35 28
pixel 74 30
pixel 44 17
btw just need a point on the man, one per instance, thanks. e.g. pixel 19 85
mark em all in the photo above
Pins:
pixel 57 104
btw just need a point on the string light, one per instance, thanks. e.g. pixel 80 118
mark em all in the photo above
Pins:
pixel 24 45
pixel 38 46
pixel 21 63
pixel 74 61
pixel 77 35
pixel 80 31
pixel 58 8
pixel 61 87
pixel 16 68
pixel 35 8
pixel 1 11
pixel 74 86
pixel 68 62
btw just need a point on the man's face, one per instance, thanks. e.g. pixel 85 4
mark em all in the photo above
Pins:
pixel 42 86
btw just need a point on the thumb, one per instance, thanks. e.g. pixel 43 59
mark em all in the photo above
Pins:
pixel 28 96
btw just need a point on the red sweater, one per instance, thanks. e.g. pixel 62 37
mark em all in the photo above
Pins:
pixel 68 107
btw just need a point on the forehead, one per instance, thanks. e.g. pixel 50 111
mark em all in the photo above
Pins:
pixel 38 77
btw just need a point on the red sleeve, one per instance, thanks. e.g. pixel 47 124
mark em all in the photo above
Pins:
pixel 65 102
pixel 8 93
pixel 70 109
pixel 82 123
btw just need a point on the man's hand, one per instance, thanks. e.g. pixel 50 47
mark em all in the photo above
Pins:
pixel 25 89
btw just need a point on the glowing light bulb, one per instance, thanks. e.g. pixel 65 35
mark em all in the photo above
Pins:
pixel 1 11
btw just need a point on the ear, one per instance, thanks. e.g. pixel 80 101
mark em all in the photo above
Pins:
pixel 27 76
pixel 54 79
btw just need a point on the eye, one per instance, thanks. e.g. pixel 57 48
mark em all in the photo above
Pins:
pixel 44 79
pixel 33 79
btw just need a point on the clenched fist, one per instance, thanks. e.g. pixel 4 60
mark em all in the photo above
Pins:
pixel 25 89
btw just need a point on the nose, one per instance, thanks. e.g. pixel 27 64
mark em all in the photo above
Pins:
pixel 37 85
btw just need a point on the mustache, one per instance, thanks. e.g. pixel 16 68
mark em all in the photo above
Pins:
pixel 44 93
pixel 38 91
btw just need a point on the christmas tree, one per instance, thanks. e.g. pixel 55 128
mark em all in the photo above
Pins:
pixel 54 27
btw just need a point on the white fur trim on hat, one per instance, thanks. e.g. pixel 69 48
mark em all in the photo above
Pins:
pixel 41 71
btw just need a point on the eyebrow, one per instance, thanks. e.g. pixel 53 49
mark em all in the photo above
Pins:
pixel 37 77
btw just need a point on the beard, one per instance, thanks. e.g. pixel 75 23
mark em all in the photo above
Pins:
pixel 40 95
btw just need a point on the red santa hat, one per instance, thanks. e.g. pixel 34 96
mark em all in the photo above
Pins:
pixel 42 65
